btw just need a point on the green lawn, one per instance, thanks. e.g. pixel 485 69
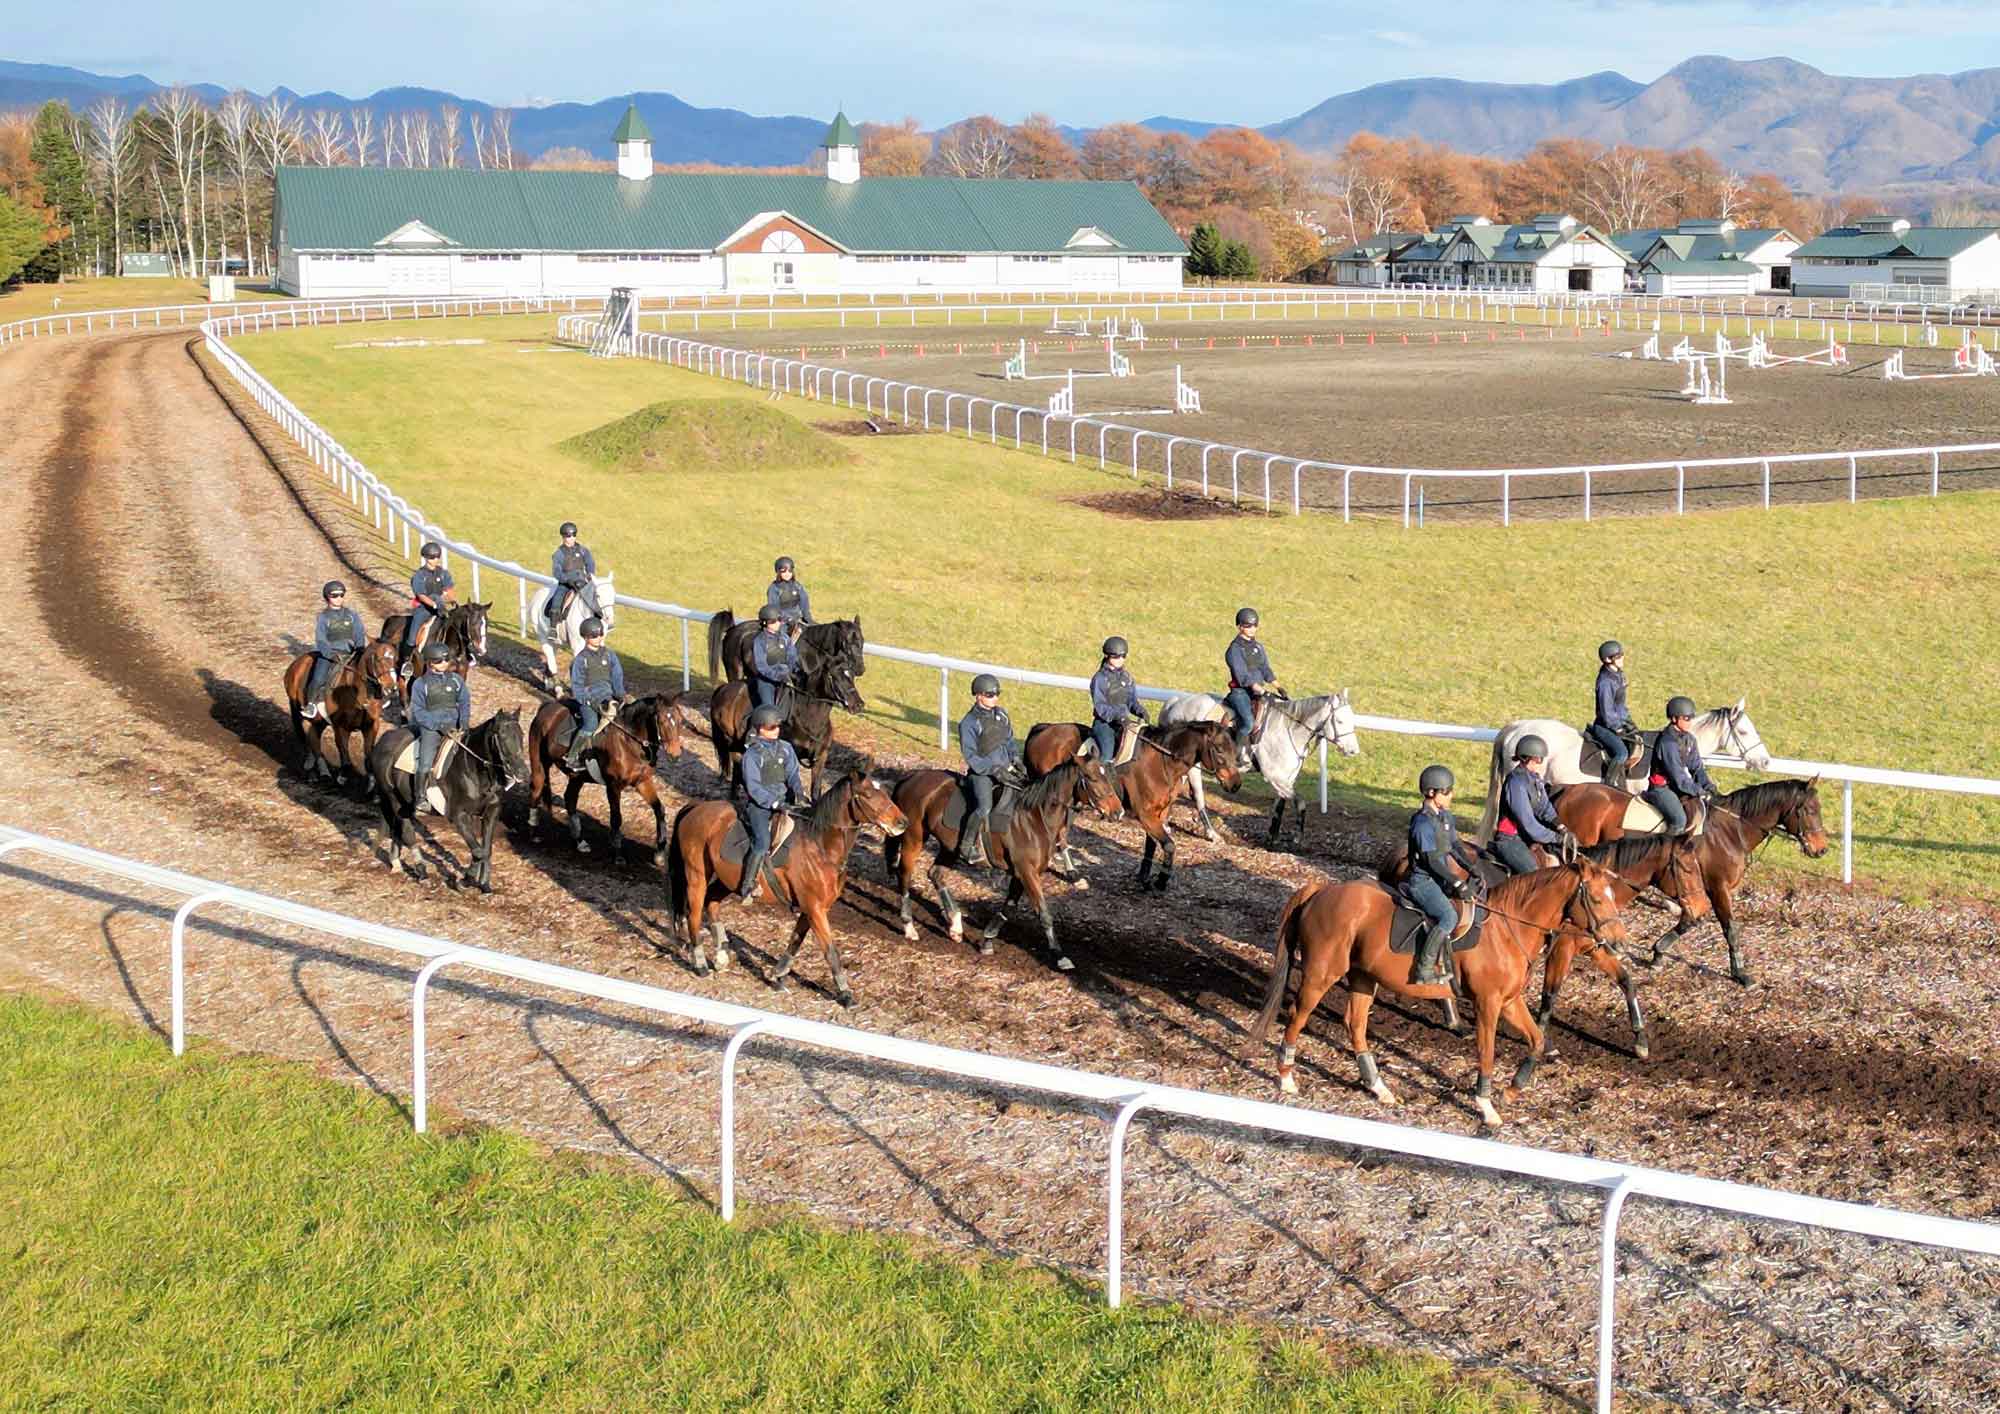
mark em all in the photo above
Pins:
pixel 126 292
pixel 1860 634
pixel 226 1233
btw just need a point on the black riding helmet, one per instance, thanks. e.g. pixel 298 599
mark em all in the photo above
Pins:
pixel 1436 778
pixel 766 717
pixel 432 550
pixel 986 682
pixel 1680 707
pixel 784 563
pixel 437 653
pixel 1531 748
pixel 769 614
pixel 592 628
pixel 1609 649
pixel 1115 648
pixel 1246 618
pixel 331 588
pixel 566 529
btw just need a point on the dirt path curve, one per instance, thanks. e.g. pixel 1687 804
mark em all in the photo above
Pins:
pixel 175 566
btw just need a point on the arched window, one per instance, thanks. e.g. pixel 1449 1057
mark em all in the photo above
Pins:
pixel 784 243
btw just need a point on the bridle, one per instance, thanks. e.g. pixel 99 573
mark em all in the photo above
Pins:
pixel 1733 737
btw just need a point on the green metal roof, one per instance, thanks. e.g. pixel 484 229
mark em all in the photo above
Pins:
pixel 632 127
pixel 354 208
pixel 1723 265
pixel 841 133
pixel 1917 243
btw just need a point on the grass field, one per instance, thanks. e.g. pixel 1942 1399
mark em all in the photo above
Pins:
pixel 224 1233
pixel 112 292
pixel 1859 634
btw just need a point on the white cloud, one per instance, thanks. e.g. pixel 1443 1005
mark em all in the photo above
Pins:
pixel 1400 38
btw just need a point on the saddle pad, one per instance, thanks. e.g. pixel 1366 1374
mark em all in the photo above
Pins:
pixel 1128 742
pixel 960 805
pixel 1642 819
pixel 1406 927
pixel 736 844
pixel 406 759
pixel 565 733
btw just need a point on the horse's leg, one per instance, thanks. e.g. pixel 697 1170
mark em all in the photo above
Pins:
pixel 539 778
pixel 1725 916
pixel 992 930
pixel 1208 830
pixel 1451 1021
pixel 791 956
pixel 615 795
pixel 1040 900
pixel 908 849
pixel 1315 979
pixel 1612 966
pixel 1561 958
pixel 651 791
pixel 570 792
pixel 955 919
pixel 1488 1004
pixel 490 824
pixel 1277 821
pixel 1516 1012
pixel 823 932
pixel 697 913
pixel 1166 855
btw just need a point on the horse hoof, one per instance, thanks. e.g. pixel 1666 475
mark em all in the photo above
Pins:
pixel 910 932
pixel 1739 977
pixel 721 959
pixel 583 846
pixel 1080 884
pixel 846 999
pixel 534 817
pixel 779 984
pixel 986 947
pixel 659 859
pixel 1639 1049
pixel 1213 838
pixel 485 888
pixel 1488 1116
pixel 1287 1085
pixel 1384 1095
pixel 1063 964
pixel 700 965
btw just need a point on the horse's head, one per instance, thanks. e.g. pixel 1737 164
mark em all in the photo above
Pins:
pixel 1683 880
pixel 1337 724
pixel 666 723
pixel 1593 907
pixel 1216 754
pixel 1740 738
pixel 850 645
pixel 836 684
pixel 869 803
pixel 378 669
pixel 1802 822
pixel 510 748
pixel 475 627
pixel 1094 786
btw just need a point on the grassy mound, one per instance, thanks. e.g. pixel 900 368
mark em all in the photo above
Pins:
pixel 705 434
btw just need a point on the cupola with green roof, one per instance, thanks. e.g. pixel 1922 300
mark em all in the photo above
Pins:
pixel 634 142
pixel 843 151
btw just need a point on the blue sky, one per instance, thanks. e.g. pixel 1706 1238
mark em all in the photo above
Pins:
pixel 1208 59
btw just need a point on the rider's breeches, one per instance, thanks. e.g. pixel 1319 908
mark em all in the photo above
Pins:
pixel 322 669
pixel 586 718
pixel 1105 734
pixel 982 792
pixel 419 617
pixel 1664 800
pixel 757 820
pixel 1609 742
pixel 1238 701
pixel 1427 895
pixel 427 749
pixel 1513 851
pixel 763 693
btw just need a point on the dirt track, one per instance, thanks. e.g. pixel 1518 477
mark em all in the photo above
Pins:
pixel 176 568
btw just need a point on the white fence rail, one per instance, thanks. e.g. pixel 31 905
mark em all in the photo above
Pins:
pixel 1124 1098
pixel 393 515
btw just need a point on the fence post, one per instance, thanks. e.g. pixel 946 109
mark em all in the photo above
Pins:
pixel 1115 1236
pixel 944 708
pixel 1934 471
pixel 1847 832
pixel 684 656
pixel 419 1067
pixel 1607 1292
pixel 1853 476
pixel 729 1053
pixel 521 598
pixel 1322 776
pixel 177 949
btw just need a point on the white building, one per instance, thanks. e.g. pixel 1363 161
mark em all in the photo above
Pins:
pixel 398 231
pixel 1549 255
pixel 1711 256
pixel 1931 262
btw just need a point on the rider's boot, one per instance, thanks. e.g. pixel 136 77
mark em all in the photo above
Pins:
pixel 972 840
pixel 754 866
pixel 573 758
pixel 1430 957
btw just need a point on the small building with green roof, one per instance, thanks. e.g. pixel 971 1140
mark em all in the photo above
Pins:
pixel 1897 261
pixel 454 231
pixel 1547 255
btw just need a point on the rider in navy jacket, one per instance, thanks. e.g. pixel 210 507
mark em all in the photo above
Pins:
pixel 1434 880
pixel 1611 728
pixel 1250 676
pixel 430 599
pixel 440 702
pixel 774 656
pixel 788 596
pixel 1114 696
pixel 770 778
pixel 597 678
pixel 574 570
pixel 1525 811
pixel 337 632
pixel 986 740
pixel 1677 768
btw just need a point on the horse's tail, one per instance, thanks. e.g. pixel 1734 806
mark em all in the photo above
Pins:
pixel 1281 963
pixel 1495 774
pixel 718 629
pixel 677 873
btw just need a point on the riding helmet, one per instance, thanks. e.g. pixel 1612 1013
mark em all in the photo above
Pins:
pixel 437 653
pixel 331 588
pixel 1246 618
pixel 1679 707
pixel 766 717
pixel 1436 778
pixel 1115 648
pixel 433 550
pixel 1609 649
pixel 592 628
pixel 986 682
pixel 769 614
pixel 566 529
pixel 784 563
pixel 1531 748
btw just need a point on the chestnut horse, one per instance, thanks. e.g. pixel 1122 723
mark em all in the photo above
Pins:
pixel 1148 783
pixel 355 697
pixel 645 731
pixel 814 872
pixel 1735 825
pixel 729 645
pixel 1334 931
pixel 821 684
pixel 1041 814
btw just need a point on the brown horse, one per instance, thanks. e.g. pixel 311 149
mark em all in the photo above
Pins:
pixel 1148 782
pixel 355 697
pixel 1735 825
pixel 463 632
pixel 820 685
pixel 729 644
pixel 1334 931
pixel 814 872
pixel 645 731
pixel 1040 815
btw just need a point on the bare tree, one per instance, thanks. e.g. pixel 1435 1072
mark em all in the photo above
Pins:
pixel 478 125
pixel 977 147
pixel 181 132
pixel 418 139
pixel 113 142
pixel 1729 190
pixel 329 137
pixel 389 142
pixel 503 139
pixel 1622 189
pixel 1380 202
pixel 277 140
pixel 1959 211
pixel 361 129
pixel 448 121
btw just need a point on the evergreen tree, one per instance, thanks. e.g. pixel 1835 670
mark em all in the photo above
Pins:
pixel 1205 251
pixel 21 237
pixel 1236 262
pixel 65 190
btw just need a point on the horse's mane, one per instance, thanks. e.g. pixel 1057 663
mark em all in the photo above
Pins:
pixel 1778 796
pixel 1620 855
pixel 1038 791
pixel 824 813
pixel 1504 892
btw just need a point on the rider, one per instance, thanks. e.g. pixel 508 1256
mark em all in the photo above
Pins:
pixel 430 598
pixel 1612 728
pixel 1433 882
pixel 598 680
pixel 1525 812
pixel 1113 698
pixel 1677 769
pixel 337 632
pixel 440 702
pixel 789 597
pixel 770 777
pixel 986 739
pixel 574 569
pixel 1250 676
pixel 774 657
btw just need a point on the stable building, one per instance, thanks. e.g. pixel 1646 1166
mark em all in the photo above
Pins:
pixel 1710 256
pixel 1552 254
pixel 1367 262
pixel 415 232
pixel 1900 262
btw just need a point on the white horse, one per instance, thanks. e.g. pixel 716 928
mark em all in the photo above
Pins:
pixel 1573 758
pixel 1291 730
pixel 569 633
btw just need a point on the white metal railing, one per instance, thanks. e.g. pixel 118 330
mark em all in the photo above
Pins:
pixel 1620 1181
pixel 389 512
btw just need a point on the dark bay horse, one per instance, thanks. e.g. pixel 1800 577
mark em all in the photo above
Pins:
pixel 646 730
pixel 729 645
pixel 463 632
pixel 814 872
pixel 1148 782
pixel 355 696
pixel 1736 824
pixel 1041 815
pixel 489 757
pixel 1339 931
pixel 820 685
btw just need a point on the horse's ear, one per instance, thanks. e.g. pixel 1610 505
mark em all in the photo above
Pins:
pixel 1813 784
pixel 1739 705
pixel 1087 750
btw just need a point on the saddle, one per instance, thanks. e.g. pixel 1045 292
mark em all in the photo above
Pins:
pixel 406 762
pixel 1128 742
pixel 960 806
pixel 736 849
pixel 566 734
pixel 1590 757
pixel 1407 926
pixel 1642 819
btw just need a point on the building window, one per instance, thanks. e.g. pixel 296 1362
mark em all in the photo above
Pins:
pixel 485 258
pixel 629 257
pixel 1031 259
pixel 357 259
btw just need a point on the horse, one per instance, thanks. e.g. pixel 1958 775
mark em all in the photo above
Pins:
pixel 1726 730
pixel 1292 727
pixel 463 632
pixel 1334 931
pixel 622 757
pixel 488 758
pixel 729 645
pixel 1040 816
pixel 1732 829
pixel 569 633
pixel 820 685
pixel 1148 782
pixel 813 872
pixel 355 696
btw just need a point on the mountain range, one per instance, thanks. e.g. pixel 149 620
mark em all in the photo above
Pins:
pixel 1818 132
